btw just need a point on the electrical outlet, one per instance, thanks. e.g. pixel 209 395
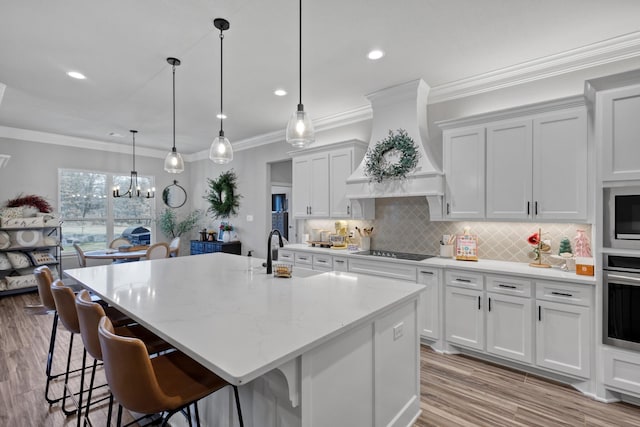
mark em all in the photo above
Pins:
pixel 249 218
pixel 397 331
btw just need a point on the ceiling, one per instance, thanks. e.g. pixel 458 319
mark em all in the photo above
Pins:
pixel 122 46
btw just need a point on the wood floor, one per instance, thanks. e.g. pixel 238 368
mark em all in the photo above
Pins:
pixel 456 390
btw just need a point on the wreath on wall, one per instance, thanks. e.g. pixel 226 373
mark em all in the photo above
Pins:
pixel 377 164
pixel 222 197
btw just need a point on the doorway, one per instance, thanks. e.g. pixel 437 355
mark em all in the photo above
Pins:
pixel 281 198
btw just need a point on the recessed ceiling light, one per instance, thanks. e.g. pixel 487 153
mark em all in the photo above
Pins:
pixel 280 92
pixel 221 116
pixel 76 75
pixel 375 54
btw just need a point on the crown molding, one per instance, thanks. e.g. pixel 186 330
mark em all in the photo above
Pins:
pixel 596 54
pixel 75 142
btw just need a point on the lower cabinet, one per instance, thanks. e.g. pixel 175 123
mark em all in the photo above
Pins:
pixel 622 370
pixel 464 322
pixel 429 302
pixel 509 327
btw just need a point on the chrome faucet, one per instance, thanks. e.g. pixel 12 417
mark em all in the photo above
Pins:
pixel 269 256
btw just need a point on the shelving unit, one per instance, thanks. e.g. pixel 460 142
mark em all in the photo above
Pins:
pixel 48 242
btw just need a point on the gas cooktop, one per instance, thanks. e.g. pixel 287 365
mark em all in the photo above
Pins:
pixel 395 255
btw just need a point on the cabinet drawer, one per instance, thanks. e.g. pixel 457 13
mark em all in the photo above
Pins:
pixel 564 293
pixel 622 370
pixel 386 269
pixel 509 285
pixel 304 258
pixel 322 262
pixel 464 279
pixel 286 255
pixel 340 263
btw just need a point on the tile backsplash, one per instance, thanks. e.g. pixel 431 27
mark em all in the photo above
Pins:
pixel 403 225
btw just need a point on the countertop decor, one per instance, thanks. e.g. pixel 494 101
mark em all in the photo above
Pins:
pixel 377 165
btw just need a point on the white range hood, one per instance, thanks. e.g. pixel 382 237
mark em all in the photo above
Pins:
pixel 402 107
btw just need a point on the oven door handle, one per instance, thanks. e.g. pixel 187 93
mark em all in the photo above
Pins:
pixel 633 281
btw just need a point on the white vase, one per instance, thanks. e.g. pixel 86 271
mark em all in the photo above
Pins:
pixel 226 236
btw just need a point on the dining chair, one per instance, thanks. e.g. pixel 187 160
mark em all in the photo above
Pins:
pixel 165 384
pixel 119 241
pixel 158 250
pixel 89 315
pixel 174 247
pixel 82 261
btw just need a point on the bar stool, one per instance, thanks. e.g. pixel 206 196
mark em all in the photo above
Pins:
pixel 168 383
pixel 89 315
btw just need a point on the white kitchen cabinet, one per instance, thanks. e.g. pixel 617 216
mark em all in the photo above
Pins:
pixel 464 320
pixel 537 167
pixel 340 263
pixel 618 127
pixel 464 163
pixel 342 162
pixel 322 262
pixel 621 370
pixel 509 327
pixel 310 189
pixel 303 259
pixel 390 269
pixel 430 302
pixel 563 328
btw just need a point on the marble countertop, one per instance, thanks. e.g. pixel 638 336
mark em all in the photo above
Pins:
pixel 482 265
pixel 236 320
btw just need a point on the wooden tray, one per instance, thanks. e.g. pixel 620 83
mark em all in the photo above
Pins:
pixel 133 248
pixel 319 243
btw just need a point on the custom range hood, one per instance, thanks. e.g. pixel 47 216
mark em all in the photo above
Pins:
pixel 402 107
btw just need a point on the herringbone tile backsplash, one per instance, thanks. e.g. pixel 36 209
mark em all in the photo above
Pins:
pixel 403 225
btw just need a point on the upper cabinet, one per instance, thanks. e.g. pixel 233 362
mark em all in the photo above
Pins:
pixel 320 182
pixel 618 113
pixel 532 166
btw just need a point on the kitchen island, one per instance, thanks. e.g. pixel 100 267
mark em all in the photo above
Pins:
pixel 337 349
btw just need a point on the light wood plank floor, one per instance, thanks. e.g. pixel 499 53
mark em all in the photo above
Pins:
pixel 456 390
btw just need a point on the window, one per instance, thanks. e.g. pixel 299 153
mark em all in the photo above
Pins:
pixel 92 217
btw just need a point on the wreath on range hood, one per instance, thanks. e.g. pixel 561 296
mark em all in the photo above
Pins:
pixel 378 166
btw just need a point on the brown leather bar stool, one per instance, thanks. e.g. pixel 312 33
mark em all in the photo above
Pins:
pixel 166 384
pixel 89 315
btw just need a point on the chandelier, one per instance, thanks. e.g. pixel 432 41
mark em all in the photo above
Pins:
pixel 134 188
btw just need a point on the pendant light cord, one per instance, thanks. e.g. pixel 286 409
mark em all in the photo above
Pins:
pixel 221 92
pixel 300 55
pixel 174 107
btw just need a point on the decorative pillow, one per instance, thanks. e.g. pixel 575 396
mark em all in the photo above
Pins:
pixel 19 260
pixel 41 258
pixel 5 240
pixel 26 238
pixel 17 282
pixel 4 262
pixel 10 213
pixel 3 285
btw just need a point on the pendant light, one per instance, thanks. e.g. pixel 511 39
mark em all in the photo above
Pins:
pixel 221 151
pixel 134 187
pixel 173 163
pixel 300 128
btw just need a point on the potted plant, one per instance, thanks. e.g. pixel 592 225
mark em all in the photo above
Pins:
pixel 171 227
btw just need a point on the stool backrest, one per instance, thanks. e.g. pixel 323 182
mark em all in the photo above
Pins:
pixel 66 306
pixel 158 250
pixel 130 374
pixel 44 279
pixel 89 315
pixel 82 261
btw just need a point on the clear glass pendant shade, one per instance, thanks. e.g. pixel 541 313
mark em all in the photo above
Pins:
pixel 300 129
pixel 221 151
pixel 173 163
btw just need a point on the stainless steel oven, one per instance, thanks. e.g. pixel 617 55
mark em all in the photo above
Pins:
pixel 621 288
pixel 622 217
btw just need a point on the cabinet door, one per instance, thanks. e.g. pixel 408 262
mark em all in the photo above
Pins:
pixel 430 303
pixel 319 189
pixel 301 187
pixel 340 263
pixel 464 322
pixel 560 165
pixel 509 170
pixel 340 167
pixel 563 338
pixel 618 112
pixel 464 173
pixel 509 328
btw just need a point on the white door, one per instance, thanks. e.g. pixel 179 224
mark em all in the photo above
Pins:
pixel 464 317
pixel 319 176
pixel 563 338
pixel 301 187
pixel 509 328
pixel 560 165
pixel 464 163
pixel 430 303
pixel 340 167
pixel 509 170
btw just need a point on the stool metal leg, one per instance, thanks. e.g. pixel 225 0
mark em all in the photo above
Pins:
pixel 235 391
pixel 52 344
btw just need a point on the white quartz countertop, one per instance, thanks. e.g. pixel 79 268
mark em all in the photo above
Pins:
pixel 482 265
pixel 237 321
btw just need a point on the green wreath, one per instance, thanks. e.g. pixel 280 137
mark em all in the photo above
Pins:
pixel 222 197
pixel 378 168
